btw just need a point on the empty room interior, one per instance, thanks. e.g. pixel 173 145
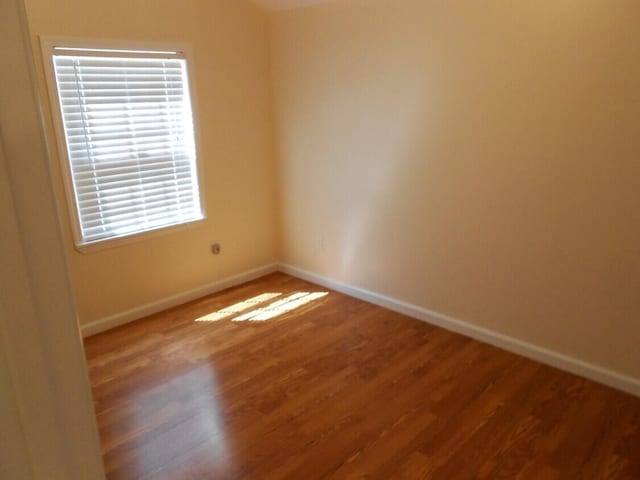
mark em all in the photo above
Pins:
pixel 306 239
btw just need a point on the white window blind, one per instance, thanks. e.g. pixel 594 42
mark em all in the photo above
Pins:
pixel 128 126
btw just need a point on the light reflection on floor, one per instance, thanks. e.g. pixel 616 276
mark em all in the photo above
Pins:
pixel 237 308
pixel 260 314
pixel 198 392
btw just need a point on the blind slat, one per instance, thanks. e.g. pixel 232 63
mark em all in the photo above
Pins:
pixel 87 163
pixel 176 202
pixel 127 191
pixel 133 225
pixel 107 183
pixel 131 166
pixel 113 137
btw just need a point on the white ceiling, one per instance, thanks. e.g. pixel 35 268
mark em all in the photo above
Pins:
pixel 287 4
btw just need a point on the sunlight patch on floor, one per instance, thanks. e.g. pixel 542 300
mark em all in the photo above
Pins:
pixel 280 307
pixel 260 314
pixel 237 308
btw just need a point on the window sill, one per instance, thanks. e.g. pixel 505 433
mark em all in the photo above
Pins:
pixel 116 242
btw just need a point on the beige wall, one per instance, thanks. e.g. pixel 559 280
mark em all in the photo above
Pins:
pixel 481 159
pixel 229 38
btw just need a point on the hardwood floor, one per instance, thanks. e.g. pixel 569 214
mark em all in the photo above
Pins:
pixel 341 389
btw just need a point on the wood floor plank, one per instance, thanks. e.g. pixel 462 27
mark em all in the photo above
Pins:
pixel 341 389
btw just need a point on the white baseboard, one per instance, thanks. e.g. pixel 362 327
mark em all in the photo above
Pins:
pixel 563 362
pixel 136 313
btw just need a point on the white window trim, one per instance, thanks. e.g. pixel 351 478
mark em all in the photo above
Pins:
pixel 47 45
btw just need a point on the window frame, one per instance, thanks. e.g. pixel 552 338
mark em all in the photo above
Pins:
pixel 47 45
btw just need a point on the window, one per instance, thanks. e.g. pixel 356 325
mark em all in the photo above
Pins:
pixel 126 123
